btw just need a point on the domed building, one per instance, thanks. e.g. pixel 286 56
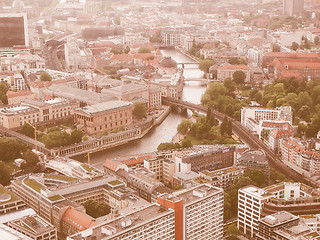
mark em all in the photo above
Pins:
pixel 167 65
pixel 18 4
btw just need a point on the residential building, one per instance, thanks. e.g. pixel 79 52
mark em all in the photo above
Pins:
pixel 15 80
pixel 37 112
pixel 204 159
pixel 295 153
pixel 15 98
pixel 77 56
pixel 148 223
pixel 251 116
pixel 10 233
pixel 102 117
pixel 170 37
pixel 198 212
pixel 222 178
pixel 227 70
pixel 312 221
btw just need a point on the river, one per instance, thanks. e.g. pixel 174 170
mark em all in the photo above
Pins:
pixel 192 92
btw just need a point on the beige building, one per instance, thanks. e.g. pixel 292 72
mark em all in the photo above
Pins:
pixel 106 116
pixel 15 98
pixel 132 92
pixel 226 71
pixel 35 111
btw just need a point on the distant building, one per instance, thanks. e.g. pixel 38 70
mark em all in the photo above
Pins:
pixel 36 112
pixel 293 7
pixel 198 208
pixel 227 70
pixel 170 37
pixel 106 116
pixel 15 98
pixel 15 26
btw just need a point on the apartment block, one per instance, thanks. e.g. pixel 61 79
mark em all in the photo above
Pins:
pixel 106 116
pixel 198 212
pixel 9 202
pixel 148 223
pixel 227 70
pixel 223 178
pixel 255 203
pixel 252 116
pixel 253 159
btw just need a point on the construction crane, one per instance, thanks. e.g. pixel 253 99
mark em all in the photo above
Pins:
pixel 35 137
pixel 149 85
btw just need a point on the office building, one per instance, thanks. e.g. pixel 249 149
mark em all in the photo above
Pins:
pixel 198 212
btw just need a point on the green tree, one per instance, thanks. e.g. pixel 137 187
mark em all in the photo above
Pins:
pixel 3 98
pixel 275 48
pixel 205 65
pixel 184 126
pixel 224 126
pixel 232 230
pixel 186 143
pixel 139 110
pixel 144 50
pixel 316 40
pixel 258 177
pixel 126 50
pixel 45 77
pixel 156 38
pixel 239 77
pixel 27 130
pixel 116 51
pixel 229 84
pixel 76 136
pixel 4 87
pixel 96 208
pixel 10 149
pixel 4 174
pixel 294 46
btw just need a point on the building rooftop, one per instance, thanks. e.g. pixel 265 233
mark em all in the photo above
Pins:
pixel 186 176
pixel 78 219
pixel 11 234
pixel 105 106
pixel 6 196
pixel 127 222
pixel 278 218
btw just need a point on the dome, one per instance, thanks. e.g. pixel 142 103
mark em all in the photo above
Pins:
pixel 18 4
pixel 168 62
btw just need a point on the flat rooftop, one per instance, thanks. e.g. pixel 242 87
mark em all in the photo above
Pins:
pixel 105 106
pixel 278 218
pixel 11 234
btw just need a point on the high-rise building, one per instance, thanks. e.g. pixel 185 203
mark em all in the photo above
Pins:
pixel 14 29
pixel 198 212
pixel 293 7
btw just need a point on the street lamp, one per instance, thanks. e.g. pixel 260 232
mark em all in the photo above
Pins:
pixel 35 137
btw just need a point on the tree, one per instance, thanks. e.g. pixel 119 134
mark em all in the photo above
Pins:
pixel 239 77
pixel 76 136
pixel 45 77
pixel 186 143
pixel 96 208
pixel 205 65
pixel 316 40
pixel 4 87
pixel 156 38
pixel 184 126
pixel 275 48
pixel 116 51
pixel 4 174
pixel 232 230
pixel 144 50
pixel 139 110
pixel 224 126
pixel 27 130
pixel 126 50
pixel 3 98
pixel 10 149
pixel 294 46
pixel 258 177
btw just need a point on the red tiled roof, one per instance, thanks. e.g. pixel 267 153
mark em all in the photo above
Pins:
pixel 121 57
pixel 19 93
pixel 143 56
pixel 291 55
pixel 78 219
pixel 112 165
pixel 289 74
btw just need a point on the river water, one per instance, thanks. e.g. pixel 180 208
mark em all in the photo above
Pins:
pixel 192 92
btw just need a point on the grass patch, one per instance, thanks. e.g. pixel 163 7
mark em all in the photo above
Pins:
pixel 115 182
pixel 34 184
pixel 3 190
pixel 60 177
pixel 55 198
pixel 87 167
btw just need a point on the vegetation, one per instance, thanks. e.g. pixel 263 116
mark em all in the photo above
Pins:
pixel 55 137
pixel 4 87
pixel 27 130
pixel 232 230
pixel 96 208
pixel 144 50
pixel 156 38
pixel 239 77
pixel 251 177
pixel 139 110
pixel 4 174
pixel 237 61
pixel 205 65
pixel 45 77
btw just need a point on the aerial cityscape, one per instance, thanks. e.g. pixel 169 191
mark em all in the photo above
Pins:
pixel 159 120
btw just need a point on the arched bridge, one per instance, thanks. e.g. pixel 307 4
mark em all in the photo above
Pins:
pixel 245 135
